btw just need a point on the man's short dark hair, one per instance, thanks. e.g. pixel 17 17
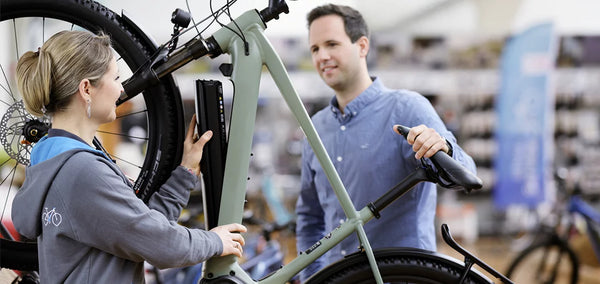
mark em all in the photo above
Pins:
pixel 354 24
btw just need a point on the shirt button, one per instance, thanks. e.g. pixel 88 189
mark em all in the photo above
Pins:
pixel 343 127
pixel 343 252
pixel 342 221
pixel 339 159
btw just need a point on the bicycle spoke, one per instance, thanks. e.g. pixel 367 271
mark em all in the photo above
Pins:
pixel 16 40
pixel 127 162
pixel 123 135
pixel 12 175
pixel 132 113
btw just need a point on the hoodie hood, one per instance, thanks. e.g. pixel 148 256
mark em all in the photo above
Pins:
pixel 47 158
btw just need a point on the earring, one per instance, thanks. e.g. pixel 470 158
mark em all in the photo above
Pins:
pixel 89 108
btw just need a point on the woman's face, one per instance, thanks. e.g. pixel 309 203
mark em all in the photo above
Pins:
pixel 105 95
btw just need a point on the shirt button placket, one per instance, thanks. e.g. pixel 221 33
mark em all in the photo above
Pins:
pixel 343 129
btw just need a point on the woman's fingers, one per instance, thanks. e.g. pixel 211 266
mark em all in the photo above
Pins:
pixel 231 238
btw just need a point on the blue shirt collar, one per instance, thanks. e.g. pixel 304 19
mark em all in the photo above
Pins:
pixel 359 103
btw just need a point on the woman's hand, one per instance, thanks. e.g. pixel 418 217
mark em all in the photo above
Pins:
pixel 192 147
pixel 231 238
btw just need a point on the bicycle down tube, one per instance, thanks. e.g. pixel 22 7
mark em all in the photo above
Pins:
pixel 247 66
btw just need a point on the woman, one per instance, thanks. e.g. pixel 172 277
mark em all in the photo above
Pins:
pixel 89 224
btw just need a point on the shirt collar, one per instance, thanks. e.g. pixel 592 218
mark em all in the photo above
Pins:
pixel 359 103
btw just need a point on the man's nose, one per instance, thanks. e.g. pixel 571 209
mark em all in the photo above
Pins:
pixel 321 55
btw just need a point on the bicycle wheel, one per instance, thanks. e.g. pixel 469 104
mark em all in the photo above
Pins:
pixel 145 140
pixel 547 261
pixel 398 265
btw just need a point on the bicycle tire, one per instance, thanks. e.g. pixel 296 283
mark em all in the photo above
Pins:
pixel 524 266
pixel 164 109
pixel 403 265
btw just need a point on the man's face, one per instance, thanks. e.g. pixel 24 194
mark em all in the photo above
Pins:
pixel 334 56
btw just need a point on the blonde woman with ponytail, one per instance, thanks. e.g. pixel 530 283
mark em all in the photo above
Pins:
pixel 90 226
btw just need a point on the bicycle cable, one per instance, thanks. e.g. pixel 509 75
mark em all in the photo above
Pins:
pixel 187 4
pixel 241 34
pixel 166 44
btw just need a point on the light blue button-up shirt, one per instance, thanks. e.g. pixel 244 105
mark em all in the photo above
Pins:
pixel 370 159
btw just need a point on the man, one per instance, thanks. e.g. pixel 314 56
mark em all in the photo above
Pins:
pixel 357 131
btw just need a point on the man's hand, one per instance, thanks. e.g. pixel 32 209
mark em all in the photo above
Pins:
pixel 425 141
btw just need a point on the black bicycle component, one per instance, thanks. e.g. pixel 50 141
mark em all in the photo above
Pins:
pixel 397 265
pixel 449 170
pixel 227 279
pixel 404 186
pixel 34 130
pixel 181 18
pixel 18 255
pixel 470 259
pixel 210 115
pixel 143 78
pixel 275 8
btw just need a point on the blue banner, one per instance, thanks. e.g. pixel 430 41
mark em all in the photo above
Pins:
pixel 525 118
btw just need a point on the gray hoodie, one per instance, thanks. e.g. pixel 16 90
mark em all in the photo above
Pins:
pixel 90 226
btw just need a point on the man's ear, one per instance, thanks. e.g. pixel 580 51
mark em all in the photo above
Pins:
pixel 363 45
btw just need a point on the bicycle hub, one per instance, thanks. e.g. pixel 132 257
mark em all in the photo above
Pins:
pixel 34 130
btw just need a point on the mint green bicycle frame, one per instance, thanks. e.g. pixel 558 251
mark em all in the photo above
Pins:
pixel 246 78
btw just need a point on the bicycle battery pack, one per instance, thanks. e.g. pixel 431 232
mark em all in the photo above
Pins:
pixel 210 115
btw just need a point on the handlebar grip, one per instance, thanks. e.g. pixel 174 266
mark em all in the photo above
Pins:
pixel 275 8
pixel 452 170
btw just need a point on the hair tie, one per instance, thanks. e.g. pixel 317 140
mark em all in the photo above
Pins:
pixel 37 53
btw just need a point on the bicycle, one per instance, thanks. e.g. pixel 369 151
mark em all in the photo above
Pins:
pixel 243 39
pixel 550 258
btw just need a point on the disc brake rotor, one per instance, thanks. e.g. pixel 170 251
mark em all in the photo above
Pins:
pixel 19 131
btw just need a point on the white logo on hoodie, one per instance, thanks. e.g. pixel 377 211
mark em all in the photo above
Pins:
pixel 51 217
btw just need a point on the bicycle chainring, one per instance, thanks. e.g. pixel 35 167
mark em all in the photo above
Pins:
pixel 19 131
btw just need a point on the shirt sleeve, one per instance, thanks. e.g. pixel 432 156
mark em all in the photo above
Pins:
pixel 174 194
pixel 105 214
pixel 310 223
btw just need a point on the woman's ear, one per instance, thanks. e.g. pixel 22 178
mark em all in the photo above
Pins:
pixel 84 89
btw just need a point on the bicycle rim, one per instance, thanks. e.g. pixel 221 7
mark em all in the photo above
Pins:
pixel 550 261
pixel 398 266
pixel 147 136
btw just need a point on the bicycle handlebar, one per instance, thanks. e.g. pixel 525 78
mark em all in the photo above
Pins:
pixel 275 8
pixel 449 169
